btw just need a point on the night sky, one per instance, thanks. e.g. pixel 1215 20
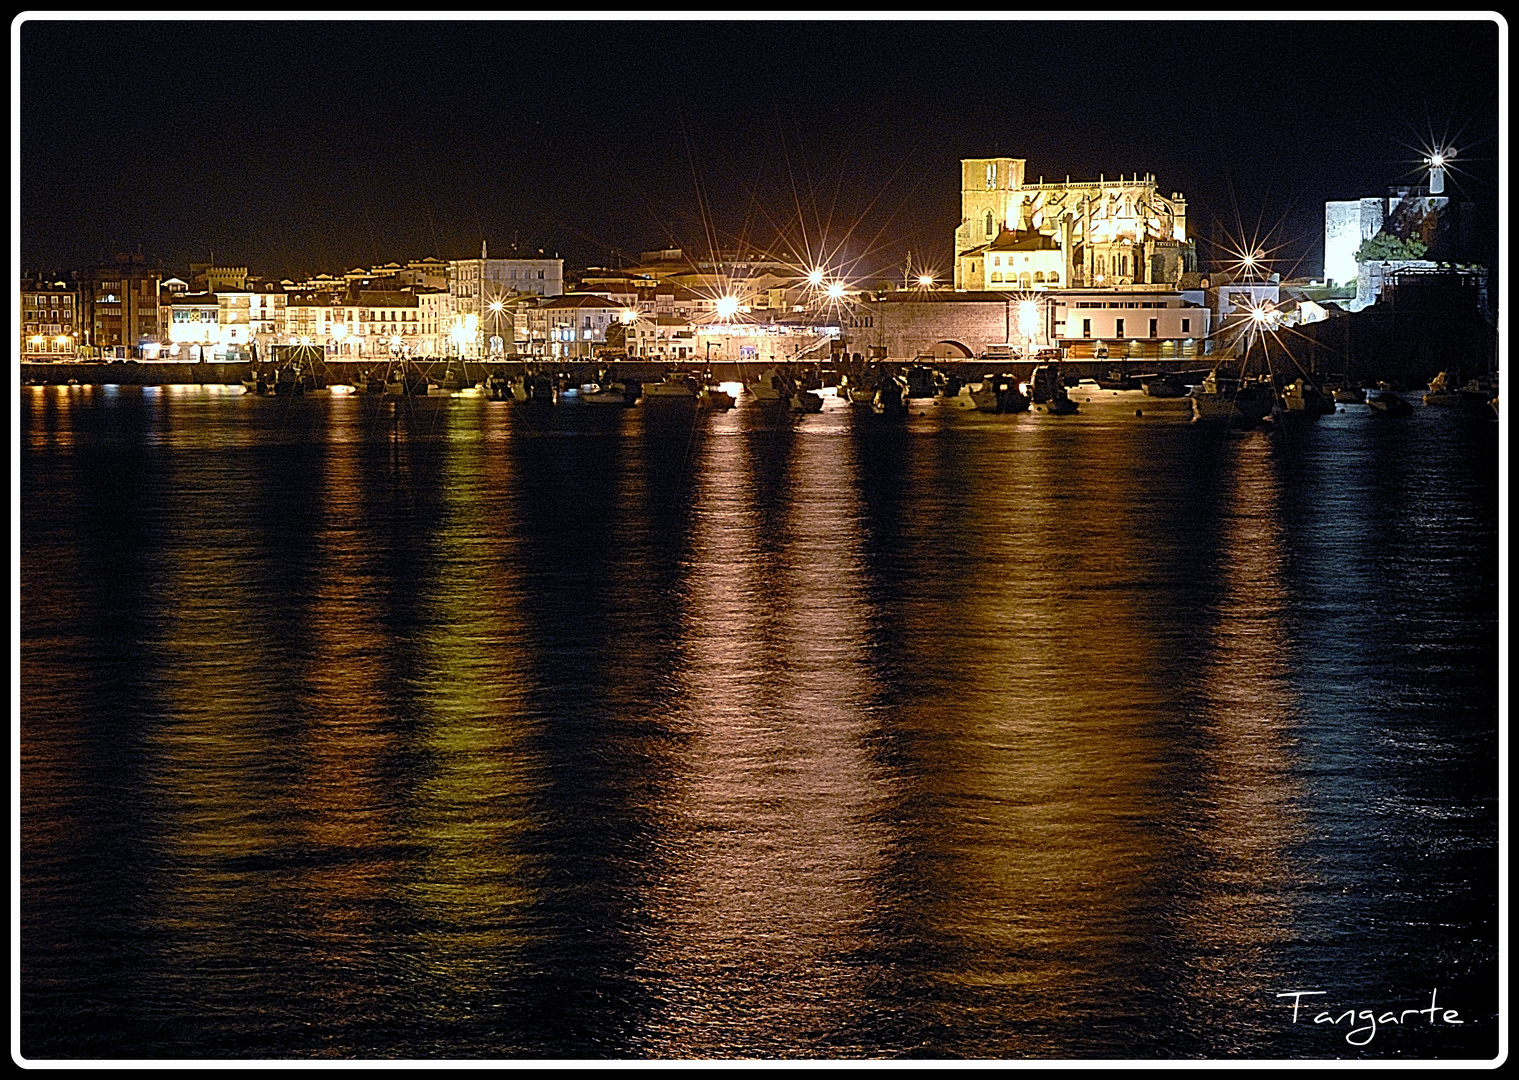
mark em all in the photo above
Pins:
pixel 299 147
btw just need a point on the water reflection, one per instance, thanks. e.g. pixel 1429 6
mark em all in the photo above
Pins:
pixel 355 727
pixel 1244 796
pixel 769 839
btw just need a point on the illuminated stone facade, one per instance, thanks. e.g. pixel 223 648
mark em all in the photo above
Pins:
pixel 1099 233
pixel 1347 225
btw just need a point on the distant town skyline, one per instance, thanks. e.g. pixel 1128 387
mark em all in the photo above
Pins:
pixel 298 147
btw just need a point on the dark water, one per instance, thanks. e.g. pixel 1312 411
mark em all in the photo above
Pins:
pixel 623 735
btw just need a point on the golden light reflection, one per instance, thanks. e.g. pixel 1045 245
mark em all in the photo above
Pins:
pixel 472 815
pixel 1037 754
pixel 772 841
pixel 1247 812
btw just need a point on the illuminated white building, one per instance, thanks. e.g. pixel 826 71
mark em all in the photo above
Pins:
pixel 1347 225
pixel 1106 232
pixel 575 325
pixel 194 328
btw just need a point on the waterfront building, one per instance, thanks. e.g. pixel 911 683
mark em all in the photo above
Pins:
pixel 1026 259
pixel 193 327
pixel 1107 232
pixel 234 314
pixel 434 318
pixel 221 279
pixel 492 290
pixel 574 325
pixel 49 320
pixel 1137 322
pixel 118 304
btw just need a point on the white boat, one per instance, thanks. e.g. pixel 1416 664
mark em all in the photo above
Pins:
pixel 1221 398
pixel 675 387
pixel 768 386
pixel 1090 392
pixel 613 395
pixel 1301 396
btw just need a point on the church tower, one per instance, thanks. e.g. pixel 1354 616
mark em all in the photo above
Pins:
pixel 986 208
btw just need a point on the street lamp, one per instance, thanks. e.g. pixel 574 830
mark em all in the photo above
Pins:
pixel 495 310
pixel 1028 323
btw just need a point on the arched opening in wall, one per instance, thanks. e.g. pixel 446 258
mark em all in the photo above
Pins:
pixel 1038 277
pixel 947 350
pixel 1024 280
pixel 1054 277
pixel 997 275
pixel 988 223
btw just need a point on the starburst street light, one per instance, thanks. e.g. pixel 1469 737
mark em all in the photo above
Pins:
pixel 836 291
pixel 926 280
pixel 815 278
pixel 727 307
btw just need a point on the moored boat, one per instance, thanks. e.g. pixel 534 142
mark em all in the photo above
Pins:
pixel 608 395
pixel 1224 399
pixel 676 387
pixel 1301 397
pixel 1442 390
pixel 1387 403
pixel 1047 392
pixel 1164 385
pixel 714 398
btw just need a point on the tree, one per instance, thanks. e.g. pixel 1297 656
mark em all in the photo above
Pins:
pixel 1385 247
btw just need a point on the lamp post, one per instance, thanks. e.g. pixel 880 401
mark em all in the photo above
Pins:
pixel 495 310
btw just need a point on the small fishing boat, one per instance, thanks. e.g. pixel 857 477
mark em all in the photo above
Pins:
pixel 770 385
pixel 676 387
pixel 1222 398
pixel 1047 392
pixel 890 396
pixel 606 395
pixel 715 398
pixel 1443 390
pixel 1164 385
pixel 1301 397
pixel 1387 403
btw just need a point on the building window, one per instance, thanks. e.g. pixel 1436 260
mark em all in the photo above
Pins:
pixel 996 276
pixel 988 223
pixel 1086 328
pixel 1186 326
pixel 991 175
pixel 1154 324
pixel 1118 331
